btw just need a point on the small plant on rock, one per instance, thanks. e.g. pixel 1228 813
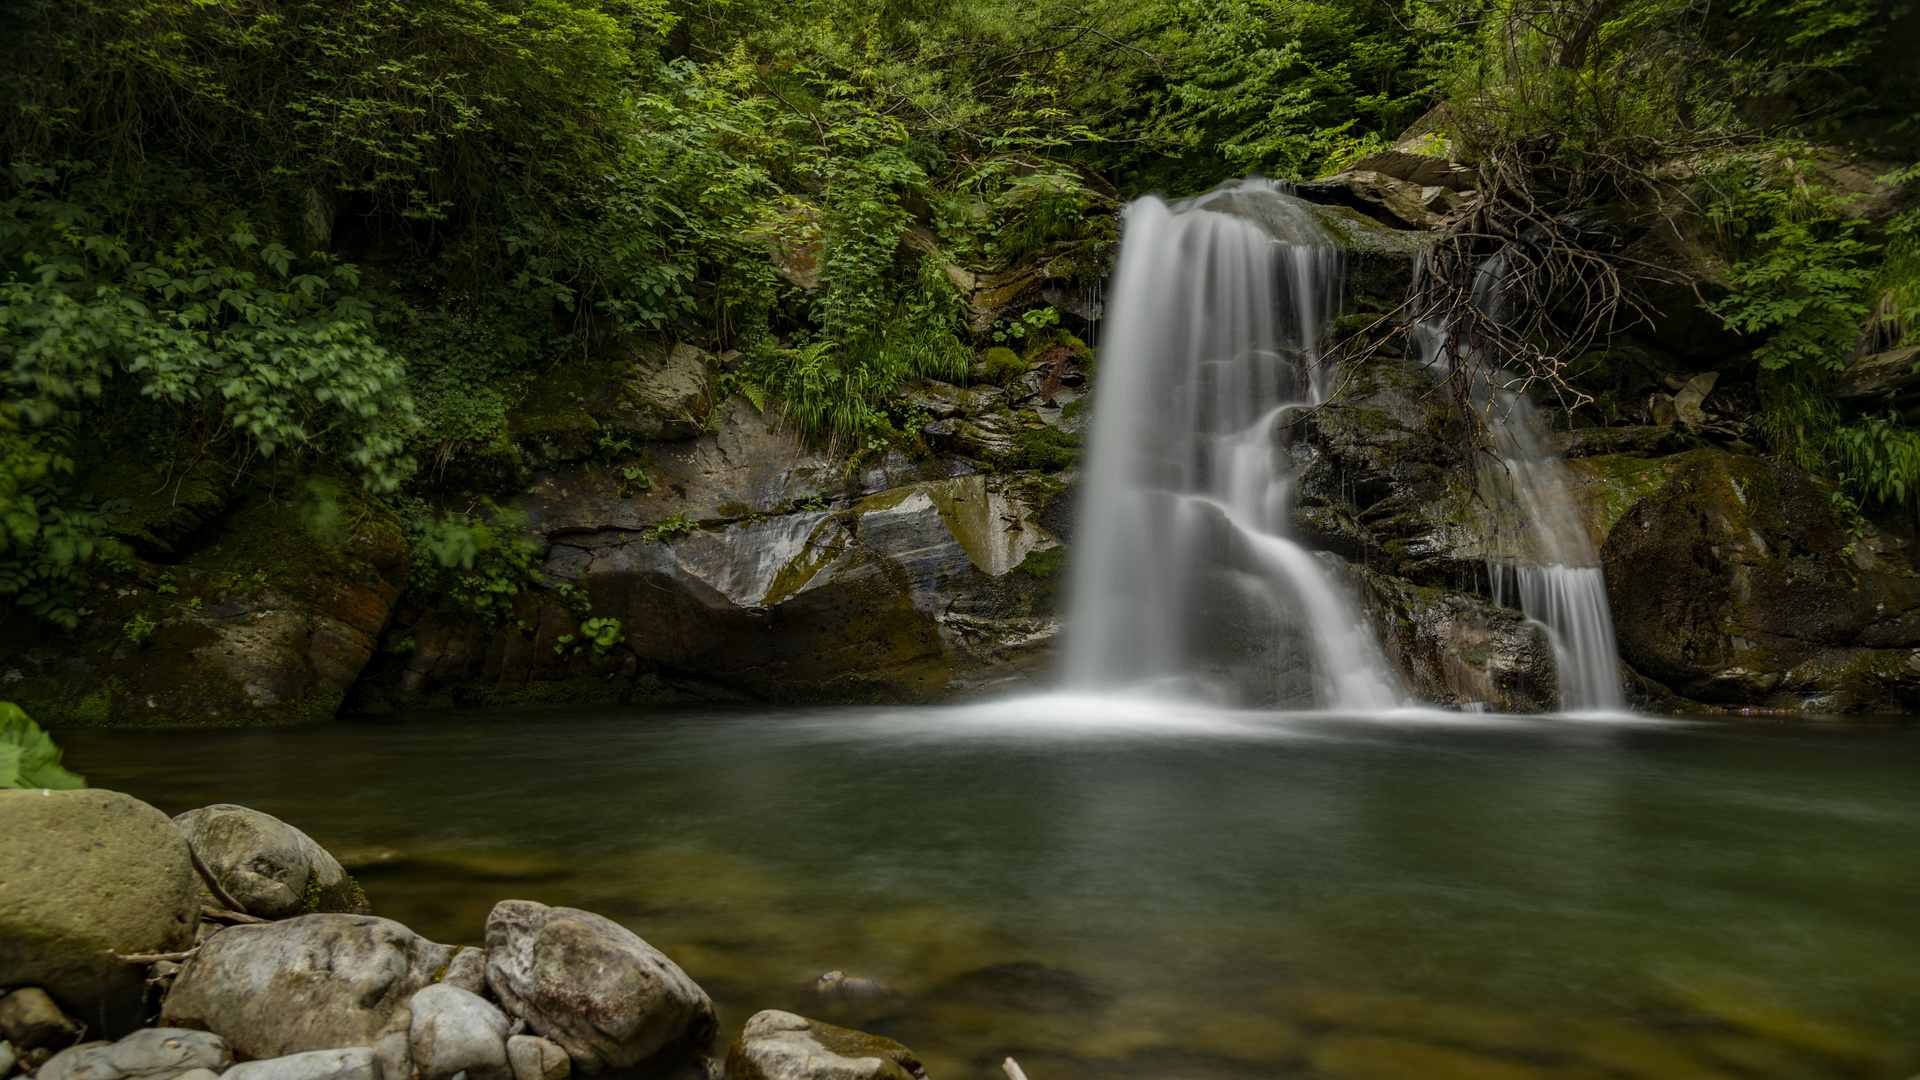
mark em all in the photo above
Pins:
pixel 139 630
pixel 634 479
pixel 673 528
pixel 597 639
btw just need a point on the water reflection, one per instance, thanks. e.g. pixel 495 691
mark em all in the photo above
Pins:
pixel 1136 889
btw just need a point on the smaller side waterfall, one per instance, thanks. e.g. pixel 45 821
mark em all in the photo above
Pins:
pixel 1539 551
pixel 1185 577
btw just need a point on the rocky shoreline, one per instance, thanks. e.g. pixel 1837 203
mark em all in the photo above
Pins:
pixel 225 943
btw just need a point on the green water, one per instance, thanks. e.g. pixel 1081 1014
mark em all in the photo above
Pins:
pixel 1105 890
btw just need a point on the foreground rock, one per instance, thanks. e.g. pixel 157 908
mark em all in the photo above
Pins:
pixel 151 1054
pixel 29 1019
pixel 83 875
pixel 594 987
pixel 316 982
pixel 269 866
pixel 535 1058
pixel 456 1031
pixel 350 1063
pixel 782 1046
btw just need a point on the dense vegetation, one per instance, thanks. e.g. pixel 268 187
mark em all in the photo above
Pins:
pixel 341 237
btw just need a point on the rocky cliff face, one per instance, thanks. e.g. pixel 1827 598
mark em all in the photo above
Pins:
pixel 743 564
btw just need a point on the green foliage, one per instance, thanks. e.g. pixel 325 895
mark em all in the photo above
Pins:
pixel 45 573
pixel 463 372
pixel 1878 458
pixel 597 639
pixel 198 321
pixel 139 629
pixel 1605 85
pixel 479 562
pixel 28 756
pixel 634 479
pixel 1028 322
pixel 673 528
pixel 1805 276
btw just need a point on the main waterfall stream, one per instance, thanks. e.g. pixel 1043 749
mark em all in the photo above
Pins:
pixel 1185 578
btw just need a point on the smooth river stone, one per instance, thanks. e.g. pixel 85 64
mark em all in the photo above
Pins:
pixel 348 1063
pixel 595 987
pixel 152 1054
pixel 779 1045
pixel 457 1031
pixel 317 982
pixel 265 864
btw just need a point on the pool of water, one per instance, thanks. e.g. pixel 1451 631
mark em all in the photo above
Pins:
pixel 1103 888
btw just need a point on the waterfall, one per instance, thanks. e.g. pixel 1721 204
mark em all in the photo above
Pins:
pixel 1185 578
pixel 1539 551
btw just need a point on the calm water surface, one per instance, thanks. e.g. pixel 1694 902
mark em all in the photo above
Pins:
pixel 1107 889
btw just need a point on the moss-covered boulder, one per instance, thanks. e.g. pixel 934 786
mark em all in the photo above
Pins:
pixel 642 391
pixel 86 874
pixel 1732 582
pixel 267 617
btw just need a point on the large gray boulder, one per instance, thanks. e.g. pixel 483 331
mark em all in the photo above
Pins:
pixel 84 874
pixel 607 997
pixel 349 1063
pixel 457 1031
pixel 316 982
pixel 779 1045
pixel 273 869
pixel 150 1054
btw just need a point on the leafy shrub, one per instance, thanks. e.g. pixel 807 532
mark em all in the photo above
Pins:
pixel 480 562
pixel 28 756
pixel 673 528
pixel 597 639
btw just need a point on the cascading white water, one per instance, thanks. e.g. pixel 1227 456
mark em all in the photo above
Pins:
pixel 1185 577
pixel 1539 550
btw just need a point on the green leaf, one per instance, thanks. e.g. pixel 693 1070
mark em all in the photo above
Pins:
pixel 28 756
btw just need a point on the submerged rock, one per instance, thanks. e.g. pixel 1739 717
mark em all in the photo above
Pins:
pixel 84 875
pixel 316 982
pixel 273 869
pixel 149 1054
pixel 594 987
pixel 456 1031
pixel 778 1045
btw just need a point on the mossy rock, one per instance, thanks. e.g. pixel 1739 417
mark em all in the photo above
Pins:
pixel 165 503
